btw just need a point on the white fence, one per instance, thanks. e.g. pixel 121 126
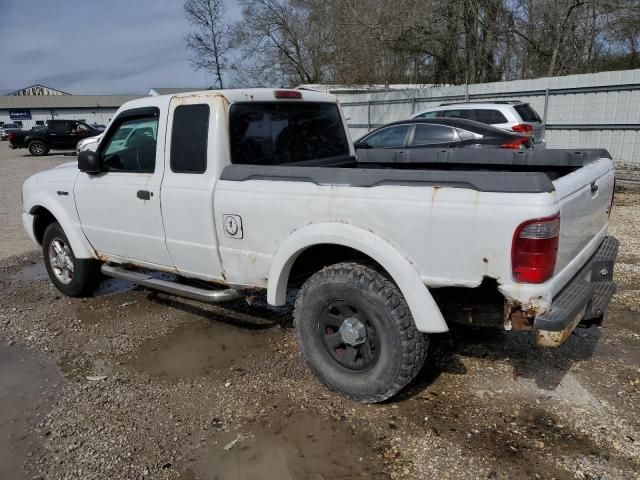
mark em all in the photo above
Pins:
pixel 600 110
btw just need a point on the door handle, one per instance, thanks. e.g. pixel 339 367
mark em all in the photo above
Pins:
pixel 594 188
pixel 144 194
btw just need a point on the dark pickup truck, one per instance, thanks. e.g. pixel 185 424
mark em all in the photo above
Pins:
pixel 59 134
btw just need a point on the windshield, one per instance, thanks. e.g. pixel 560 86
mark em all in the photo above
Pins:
pixel 275 133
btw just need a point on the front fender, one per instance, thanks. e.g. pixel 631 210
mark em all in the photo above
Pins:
pixel 425 312
pixel 69 223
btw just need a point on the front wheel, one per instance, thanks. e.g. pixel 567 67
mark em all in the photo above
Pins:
pixel 356 332
pixel 75 277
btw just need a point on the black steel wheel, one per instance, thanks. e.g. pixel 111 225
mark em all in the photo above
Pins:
pixel 356 332
pixel 349 337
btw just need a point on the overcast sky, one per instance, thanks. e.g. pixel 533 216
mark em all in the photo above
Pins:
pixel 96 47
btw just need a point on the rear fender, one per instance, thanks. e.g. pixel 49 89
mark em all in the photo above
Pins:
pixel 425 312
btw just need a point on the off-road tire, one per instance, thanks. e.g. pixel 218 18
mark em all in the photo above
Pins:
pixel 403 348
pixel 38 148
pixel 86 272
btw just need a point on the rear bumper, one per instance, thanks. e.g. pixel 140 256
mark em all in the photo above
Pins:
pixel 585 297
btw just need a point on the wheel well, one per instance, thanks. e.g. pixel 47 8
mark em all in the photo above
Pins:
pixel 315 258
pixel 42 219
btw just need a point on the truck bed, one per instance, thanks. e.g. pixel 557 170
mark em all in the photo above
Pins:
pixel 482 170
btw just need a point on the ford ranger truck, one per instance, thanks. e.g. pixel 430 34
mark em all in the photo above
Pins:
pixel 261 189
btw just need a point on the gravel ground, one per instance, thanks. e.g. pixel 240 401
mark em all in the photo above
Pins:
pixel 131 384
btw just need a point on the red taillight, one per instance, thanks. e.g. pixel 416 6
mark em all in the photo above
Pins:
pixel 534 249
pixel 287 94
pixel 516 144
pixel 523 128
pixel 9 136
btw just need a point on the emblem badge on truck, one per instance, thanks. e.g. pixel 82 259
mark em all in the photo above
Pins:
pixel 232 226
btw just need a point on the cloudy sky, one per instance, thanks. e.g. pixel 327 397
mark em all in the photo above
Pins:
pixel 96 47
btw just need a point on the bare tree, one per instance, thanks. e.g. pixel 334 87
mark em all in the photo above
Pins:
pixel 288 42
pixel 211 42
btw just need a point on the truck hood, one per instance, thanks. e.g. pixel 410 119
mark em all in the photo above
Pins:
pixel 63 175
pixel 73 165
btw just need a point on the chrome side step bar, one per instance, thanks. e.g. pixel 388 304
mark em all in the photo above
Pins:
pixel 187 291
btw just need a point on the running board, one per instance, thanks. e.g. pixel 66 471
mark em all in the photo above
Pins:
pixel 187 291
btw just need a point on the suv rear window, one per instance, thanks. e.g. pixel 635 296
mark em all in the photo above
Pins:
pixel 276 133
pixel 527 113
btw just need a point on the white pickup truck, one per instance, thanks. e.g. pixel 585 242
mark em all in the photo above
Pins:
pixel 261 189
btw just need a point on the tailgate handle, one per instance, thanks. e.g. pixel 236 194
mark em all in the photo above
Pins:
pixel 594 188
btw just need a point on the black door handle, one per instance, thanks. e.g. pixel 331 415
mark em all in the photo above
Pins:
pixel 594 188
pixel 144 194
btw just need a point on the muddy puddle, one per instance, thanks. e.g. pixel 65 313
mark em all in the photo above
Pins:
pixel 303 445
pixel 203 348
pixel 28 386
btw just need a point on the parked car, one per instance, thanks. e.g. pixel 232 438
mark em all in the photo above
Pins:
pixel 99 126
pixel 59 134
pixel 512 115
pixel 6 128
pixel 406 139
pixel 260 189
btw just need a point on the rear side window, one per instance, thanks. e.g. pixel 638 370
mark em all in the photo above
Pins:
pixel 489 116
pixel 467 114
pixel 429 134
pixel 527 113
pixel 427 115
pixel 58 127
pixel 189 137
pixel 276 133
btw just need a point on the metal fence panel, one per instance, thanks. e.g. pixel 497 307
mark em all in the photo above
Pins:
pixel 591 110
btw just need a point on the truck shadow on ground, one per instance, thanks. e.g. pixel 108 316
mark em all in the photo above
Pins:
pixel 547 367
pixel 237 313
pixel 448 352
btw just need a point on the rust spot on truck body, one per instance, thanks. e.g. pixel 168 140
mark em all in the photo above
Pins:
pixel 518 318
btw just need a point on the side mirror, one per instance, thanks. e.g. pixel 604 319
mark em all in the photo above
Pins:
pixel 89 162
pixel 361 145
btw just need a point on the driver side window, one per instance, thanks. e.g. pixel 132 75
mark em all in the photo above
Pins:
pixel 132 146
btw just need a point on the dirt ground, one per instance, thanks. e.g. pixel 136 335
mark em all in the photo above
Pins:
pixel 131 384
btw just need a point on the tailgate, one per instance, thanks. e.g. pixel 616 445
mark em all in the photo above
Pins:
pixel 585 198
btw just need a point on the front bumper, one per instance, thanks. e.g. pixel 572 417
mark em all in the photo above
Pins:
pixel 27 222
pixel 584 298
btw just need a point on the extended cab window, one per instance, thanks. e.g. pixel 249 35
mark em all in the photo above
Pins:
pixel 189 139
pixel 132 146
pixel 275 133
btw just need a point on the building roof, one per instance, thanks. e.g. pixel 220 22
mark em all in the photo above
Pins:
pixel 171 91
pixel 63 101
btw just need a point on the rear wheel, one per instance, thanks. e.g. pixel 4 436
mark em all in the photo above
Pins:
pixel 356 332
pixel 38 148
pixel 75 277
